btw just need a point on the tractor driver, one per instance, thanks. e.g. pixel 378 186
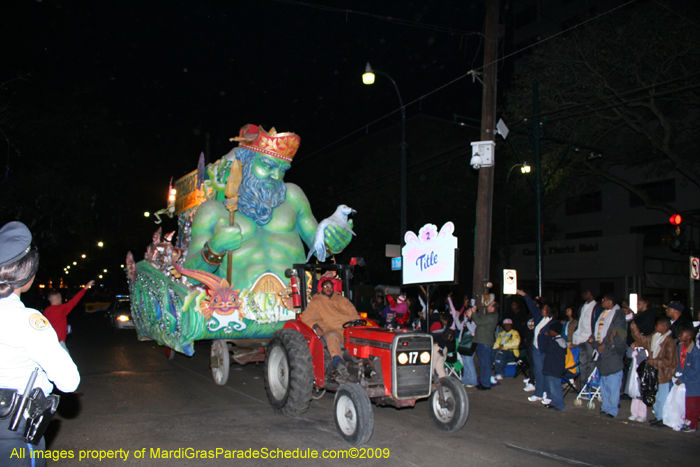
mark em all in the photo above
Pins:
pixel 326 314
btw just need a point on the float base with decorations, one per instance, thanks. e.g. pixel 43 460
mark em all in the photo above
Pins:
pixel 175 306
pixel 176 315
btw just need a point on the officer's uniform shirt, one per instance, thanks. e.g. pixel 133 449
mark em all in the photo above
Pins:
pixel 27 341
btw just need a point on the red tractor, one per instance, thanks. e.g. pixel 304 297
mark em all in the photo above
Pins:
pixel 386 366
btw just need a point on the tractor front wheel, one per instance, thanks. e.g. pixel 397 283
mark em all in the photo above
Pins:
pixel 353 414
pixel 450 413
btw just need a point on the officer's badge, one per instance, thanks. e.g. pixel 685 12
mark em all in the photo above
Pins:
pixel 39 322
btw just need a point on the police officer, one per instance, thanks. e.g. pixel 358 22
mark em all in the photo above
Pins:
pixel 27 341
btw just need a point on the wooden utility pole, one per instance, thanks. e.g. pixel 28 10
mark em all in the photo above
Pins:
pixel 482 244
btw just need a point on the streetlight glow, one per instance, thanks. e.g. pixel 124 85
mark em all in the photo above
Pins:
pixel 75 263
pixel 525 168
pixel 104 270
pixel 100 244
pixel 368 75
pixel 368 78
pixel 146 214
pixel 83 256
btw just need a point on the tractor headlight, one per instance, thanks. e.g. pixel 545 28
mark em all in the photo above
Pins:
pixel 425 357
pixel 403 358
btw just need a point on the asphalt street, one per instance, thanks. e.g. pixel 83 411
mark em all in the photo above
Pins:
pixel 134 401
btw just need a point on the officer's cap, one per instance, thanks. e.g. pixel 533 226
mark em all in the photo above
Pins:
pixel 15 242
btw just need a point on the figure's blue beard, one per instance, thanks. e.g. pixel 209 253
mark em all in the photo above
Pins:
pixel 257 199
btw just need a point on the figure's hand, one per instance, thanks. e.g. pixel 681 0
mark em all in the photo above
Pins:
pixel 634 326
pixel 601 347
pixel 90 284
pixel 678 382
pixel 225 237
pixel 337 238
pixel 521 293
pixel 590 340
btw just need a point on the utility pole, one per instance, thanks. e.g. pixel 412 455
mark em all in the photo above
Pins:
pixel 482 244
pixel 538 181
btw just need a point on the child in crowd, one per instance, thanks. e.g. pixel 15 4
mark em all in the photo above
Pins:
pixel 689 366
pixel 554 365
pixel 638 409
pixel 505 349
pixel 663 356
pixel 398 309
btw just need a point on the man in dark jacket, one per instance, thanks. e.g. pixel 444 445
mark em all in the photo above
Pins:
pixel 484 340
pixel 609 336
pixel 519 317
pixel 645 318
pixel 679 320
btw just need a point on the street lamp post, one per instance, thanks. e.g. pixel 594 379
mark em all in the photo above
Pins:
pixel 524 168
pixel 368 78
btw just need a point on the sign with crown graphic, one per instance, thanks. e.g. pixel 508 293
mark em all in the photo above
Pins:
pixel 431 256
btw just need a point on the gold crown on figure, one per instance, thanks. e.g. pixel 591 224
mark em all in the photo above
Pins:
pixel 281 145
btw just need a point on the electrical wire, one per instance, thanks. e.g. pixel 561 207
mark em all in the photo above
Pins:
pixel 459 78
pixel 389 19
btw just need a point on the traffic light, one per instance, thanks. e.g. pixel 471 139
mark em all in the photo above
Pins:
pixel 678 241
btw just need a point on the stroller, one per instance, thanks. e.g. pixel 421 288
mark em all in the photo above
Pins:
pixel 590 390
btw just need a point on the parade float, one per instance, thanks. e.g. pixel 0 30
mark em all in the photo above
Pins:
pixel 221 275
pixel 241 229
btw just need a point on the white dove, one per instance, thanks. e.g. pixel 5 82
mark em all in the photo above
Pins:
pixel 339 218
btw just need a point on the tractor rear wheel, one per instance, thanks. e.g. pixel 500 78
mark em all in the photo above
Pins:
pixel 289 375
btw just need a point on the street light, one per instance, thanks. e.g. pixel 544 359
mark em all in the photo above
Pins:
pixel 368 78
pixel 524 168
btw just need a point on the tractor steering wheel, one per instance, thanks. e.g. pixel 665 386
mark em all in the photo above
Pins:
pixel 355 322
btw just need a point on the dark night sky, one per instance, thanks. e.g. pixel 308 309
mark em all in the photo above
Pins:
pixel 167 72
pixel 160 75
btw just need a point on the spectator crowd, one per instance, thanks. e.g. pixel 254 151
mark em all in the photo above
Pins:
pixel 600 348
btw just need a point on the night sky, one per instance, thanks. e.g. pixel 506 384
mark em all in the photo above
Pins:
pixel 167 72
pixel 156 77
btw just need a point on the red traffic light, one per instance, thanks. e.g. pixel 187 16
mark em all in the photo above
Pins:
pixel 675 219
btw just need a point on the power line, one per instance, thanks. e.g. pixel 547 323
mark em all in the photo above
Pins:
pixel 459 78
pixel 677 14
pixel 437 159
pixel 389 19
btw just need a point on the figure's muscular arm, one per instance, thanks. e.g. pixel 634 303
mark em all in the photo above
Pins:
pixel 336 238
pixel 210 224
pixel 306 223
